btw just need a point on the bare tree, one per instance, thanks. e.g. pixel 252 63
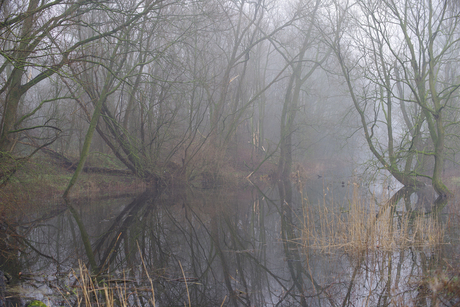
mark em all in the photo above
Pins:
pixel 391 54
pixel 38 43
pixel 303 61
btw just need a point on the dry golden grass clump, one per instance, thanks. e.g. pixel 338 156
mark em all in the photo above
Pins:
pixel 366 225
pixel 86 291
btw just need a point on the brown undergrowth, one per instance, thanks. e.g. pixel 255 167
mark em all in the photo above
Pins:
pixel 45 177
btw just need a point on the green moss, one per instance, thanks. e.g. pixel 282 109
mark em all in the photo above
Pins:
pixel 36 303
pixel 43 177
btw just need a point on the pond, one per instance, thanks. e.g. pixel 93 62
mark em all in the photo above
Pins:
pixel 316 243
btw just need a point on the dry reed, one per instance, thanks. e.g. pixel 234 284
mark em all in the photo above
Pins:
pixel 363 225
pixel 88 292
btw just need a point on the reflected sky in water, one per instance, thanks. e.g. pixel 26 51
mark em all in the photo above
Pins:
pixel 212 247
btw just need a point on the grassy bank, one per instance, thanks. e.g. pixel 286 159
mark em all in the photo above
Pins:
pixel 42 178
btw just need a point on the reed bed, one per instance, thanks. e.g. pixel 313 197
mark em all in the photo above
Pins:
pixel 86 291
pixel 366 224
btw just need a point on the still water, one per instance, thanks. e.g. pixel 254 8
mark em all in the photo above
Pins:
pixel 288 245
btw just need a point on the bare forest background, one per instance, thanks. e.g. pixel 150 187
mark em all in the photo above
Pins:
pixel 179 90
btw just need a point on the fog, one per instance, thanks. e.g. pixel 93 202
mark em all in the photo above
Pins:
pixel 197 88
pixel 237 153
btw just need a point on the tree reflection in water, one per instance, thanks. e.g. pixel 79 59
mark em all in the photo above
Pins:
pixel 232 248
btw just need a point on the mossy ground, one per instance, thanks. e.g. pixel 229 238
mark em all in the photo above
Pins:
pixel 41 178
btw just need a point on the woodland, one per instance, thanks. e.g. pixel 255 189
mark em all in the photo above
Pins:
pixel 192 90
pixel 243 152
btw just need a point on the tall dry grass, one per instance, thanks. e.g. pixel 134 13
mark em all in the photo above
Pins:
pixel 365 224
pixel 86 291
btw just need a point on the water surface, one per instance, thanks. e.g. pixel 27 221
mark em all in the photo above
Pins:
pixel 245 247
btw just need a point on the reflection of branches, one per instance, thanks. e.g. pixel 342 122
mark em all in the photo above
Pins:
pixel 8 230
pixel 115 224
pixel 193 234
pixel 84 236
pixel 290 246
pixel 243 257
pixel 26 242
pixel 46 217
pixel 291 251
pixel 135 207
pixel 346 300
pixel 236 242
pixel 119 227
pixel 216 241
